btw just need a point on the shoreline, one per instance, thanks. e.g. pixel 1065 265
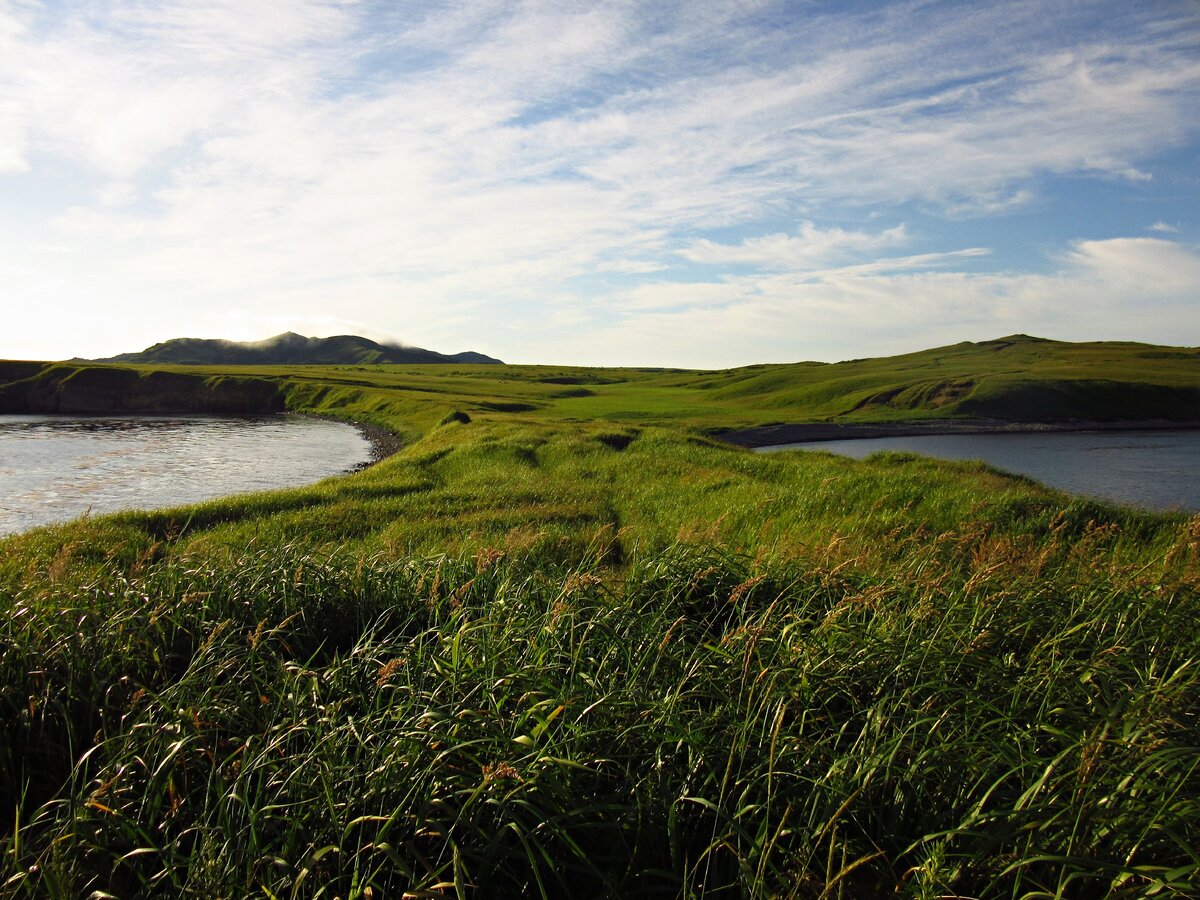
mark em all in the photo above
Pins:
pixel 816 432
pixel 384 443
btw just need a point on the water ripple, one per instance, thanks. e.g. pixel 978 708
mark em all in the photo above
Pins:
pixel 55 468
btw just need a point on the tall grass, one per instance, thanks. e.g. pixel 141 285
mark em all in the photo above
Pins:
pixel 697 723
pixel 570 659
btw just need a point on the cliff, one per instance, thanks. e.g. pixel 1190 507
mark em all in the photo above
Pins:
pixel 66 388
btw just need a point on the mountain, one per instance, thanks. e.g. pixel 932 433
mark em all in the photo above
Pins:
pixel 293 349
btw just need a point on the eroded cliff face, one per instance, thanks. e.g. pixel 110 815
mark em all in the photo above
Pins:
pixel 67 388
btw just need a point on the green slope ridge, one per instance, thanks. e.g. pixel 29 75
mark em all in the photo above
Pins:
pixel 1018 378
pixel 1014 379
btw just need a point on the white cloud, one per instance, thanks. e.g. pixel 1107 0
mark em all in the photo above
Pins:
pixel 1120 289
pixel 811 247
pixel 222 31
pixel 1143 270
pixel 449 172
pixel 13 137
pixel 118 89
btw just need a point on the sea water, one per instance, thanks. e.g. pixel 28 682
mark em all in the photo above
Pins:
pixel 1151 469
pixel 56 468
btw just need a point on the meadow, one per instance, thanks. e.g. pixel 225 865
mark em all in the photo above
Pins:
pixel 566 644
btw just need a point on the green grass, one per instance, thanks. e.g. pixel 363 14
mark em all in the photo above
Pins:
pixel 1018 379
pixel 1014 379
pixel 695 723
pixel 577 649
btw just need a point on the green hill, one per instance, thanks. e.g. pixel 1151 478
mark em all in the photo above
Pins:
pixel 563 645
pixel 1011 380
pixel 292 349
pixel 1014 380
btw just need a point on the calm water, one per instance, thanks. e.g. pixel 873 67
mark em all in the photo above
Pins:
pixel 1151 469
pixel 54 468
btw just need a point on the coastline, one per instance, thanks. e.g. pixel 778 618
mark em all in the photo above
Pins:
pixel 384 443
pixel 813 432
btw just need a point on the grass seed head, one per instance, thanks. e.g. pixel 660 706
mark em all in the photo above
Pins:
pixel 500 771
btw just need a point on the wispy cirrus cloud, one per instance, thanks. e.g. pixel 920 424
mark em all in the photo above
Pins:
pixel 464 173
pixel 796 316
pixel 810 247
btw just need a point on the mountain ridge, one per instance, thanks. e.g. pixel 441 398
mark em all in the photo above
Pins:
pixel 290 348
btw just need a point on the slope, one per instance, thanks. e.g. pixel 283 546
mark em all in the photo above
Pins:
pixel 293 349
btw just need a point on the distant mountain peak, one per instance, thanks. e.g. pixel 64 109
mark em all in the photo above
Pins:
pixel 1021 337
pixel 291 348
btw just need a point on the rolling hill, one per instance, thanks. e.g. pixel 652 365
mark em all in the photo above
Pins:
pixel 1017 378
pixel 292 349
pixel 562 644
pixel 1012 381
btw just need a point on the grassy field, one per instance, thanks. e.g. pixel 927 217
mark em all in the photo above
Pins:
pixel 1017 378
pixel 1012 379
pixel 572 647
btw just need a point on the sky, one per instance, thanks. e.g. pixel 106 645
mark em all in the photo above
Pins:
pixel 702 184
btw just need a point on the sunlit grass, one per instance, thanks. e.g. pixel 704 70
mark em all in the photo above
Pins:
pixel 531 656
pixel 1013 379
pixel 693 723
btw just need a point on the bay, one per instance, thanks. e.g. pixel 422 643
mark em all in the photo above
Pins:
pixel 56 468
pixel 1157 470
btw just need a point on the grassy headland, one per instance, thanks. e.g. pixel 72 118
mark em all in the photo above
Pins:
pixel 571 646
pixel 1014 379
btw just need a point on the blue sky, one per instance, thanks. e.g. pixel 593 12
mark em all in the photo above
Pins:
pixel 700 184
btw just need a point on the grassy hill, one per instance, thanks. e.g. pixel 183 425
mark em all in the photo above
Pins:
pixel 1015 379
pixel 565 645
pixel 292 349
pixel 1018 378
